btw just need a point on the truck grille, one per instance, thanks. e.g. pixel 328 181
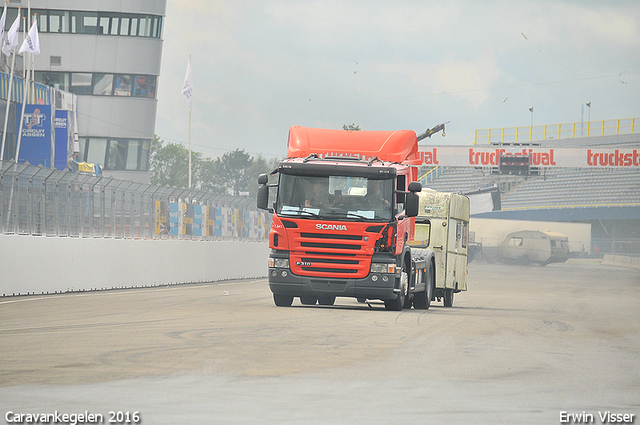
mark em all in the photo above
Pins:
pixel 330 255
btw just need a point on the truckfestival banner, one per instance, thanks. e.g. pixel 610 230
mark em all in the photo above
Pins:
pixel 489 156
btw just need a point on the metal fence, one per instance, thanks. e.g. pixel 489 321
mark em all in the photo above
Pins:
pixel 35 200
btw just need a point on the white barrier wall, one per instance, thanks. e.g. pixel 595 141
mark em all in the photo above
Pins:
pixel 40 265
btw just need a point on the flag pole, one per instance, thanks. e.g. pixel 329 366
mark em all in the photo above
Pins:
pixel 25 87
pixel 6 112
pixel 189 148
pixel 6 115
pixel 189 136
pixel 187 92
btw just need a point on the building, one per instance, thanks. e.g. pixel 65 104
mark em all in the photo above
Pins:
pixel 108 53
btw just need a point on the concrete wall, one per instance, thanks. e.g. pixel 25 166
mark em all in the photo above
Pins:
pixel 40 265
pixel 622 261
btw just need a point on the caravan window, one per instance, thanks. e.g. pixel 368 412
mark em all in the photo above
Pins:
pixel 515 242
pixel 465 235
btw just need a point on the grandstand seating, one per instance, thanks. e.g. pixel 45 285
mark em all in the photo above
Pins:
pixel 555 187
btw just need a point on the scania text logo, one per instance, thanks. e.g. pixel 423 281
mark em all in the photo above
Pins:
pixel 320 226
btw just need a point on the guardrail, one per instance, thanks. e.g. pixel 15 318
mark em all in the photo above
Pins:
pixel 558 131
pixel 40 201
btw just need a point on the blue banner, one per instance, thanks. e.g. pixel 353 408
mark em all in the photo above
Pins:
pixel 61 145
pixel 197 220
pixel 174 218
pixel 35 146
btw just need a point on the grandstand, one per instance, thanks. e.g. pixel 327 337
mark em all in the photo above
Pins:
pixel 608 198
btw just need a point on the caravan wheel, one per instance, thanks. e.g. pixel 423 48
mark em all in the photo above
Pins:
pixel 448 297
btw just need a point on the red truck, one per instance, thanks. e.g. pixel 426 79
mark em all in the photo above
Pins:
pixel 342 218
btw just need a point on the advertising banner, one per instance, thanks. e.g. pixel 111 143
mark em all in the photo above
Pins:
pixel 197 220
pixel 35 146
pixel 187 219
pixel 61 145
pixel 174 218
pixel 162 218
pixel 489 156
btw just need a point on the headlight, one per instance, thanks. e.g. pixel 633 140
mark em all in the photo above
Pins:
pixel 281 263
pixel 383 268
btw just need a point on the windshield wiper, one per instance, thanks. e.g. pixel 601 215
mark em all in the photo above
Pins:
pixel 311 213
pixel 353 214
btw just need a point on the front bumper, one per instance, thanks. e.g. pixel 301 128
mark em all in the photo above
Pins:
pixel 374 286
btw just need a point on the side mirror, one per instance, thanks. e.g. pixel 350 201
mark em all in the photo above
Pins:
pixel 263 179
pixel 415 187
pixel 263 197
pixel 412 204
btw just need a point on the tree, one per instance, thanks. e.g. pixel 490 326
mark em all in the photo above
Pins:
pixel 351 127
pixel 233 169
pixel 236 171
pixel 169 163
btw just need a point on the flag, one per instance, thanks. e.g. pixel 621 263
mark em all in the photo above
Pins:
pixel 31 42
pixel 187 87
pixel 3 20
pixel 11 40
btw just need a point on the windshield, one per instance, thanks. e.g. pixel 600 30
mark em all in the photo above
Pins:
pixel 335 197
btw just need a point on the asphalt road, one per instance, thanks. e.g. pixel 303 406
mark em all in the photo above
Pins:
pixel 523 345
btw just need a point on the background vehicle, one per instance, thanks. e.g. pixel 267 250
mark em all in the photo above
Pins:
pixel 527 246
pixel 342 218
pixel 442 226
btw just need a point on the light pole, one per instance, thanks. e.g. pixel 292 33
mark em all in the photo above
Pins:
pixel 531 128
pixel 588 117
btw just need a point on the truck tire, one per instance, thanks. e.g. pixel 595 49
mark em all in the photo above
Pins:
pixel 397 303
pixel 448 297
pixel 283 300
pixel 422 300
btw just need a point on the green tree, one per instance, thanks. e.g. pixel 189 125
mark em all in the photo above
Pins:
pixel 236 171
pixel 233 169
pixel 351 127
pixel 258 166
pixel 169 164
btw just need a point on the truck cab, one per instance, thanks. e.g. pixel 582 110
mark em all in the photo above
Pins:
pixel 342 215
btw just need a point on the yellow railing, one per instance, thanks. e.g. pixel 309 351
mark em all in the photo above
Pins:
pixel 430 175
pixel 558 131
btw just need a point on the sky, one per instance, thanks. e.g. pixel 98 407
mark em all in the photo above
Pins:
pixel 260 67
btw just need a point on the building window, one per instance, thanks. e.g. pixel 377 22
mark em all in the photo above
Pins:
pixel 58 80
pixel 99 84
pixel 145 86
pixel 116 154
pixel 102 84
pixel 81 83
pixel 96 150
pixel 58 21
pixel 88 22
pixel 123 85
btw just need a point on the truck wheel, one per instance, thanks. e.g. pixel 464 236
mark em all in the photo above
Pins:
pixel 448 297
pixel 397 303
pixel 326 300
pixel 283 300
pixel 422 301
